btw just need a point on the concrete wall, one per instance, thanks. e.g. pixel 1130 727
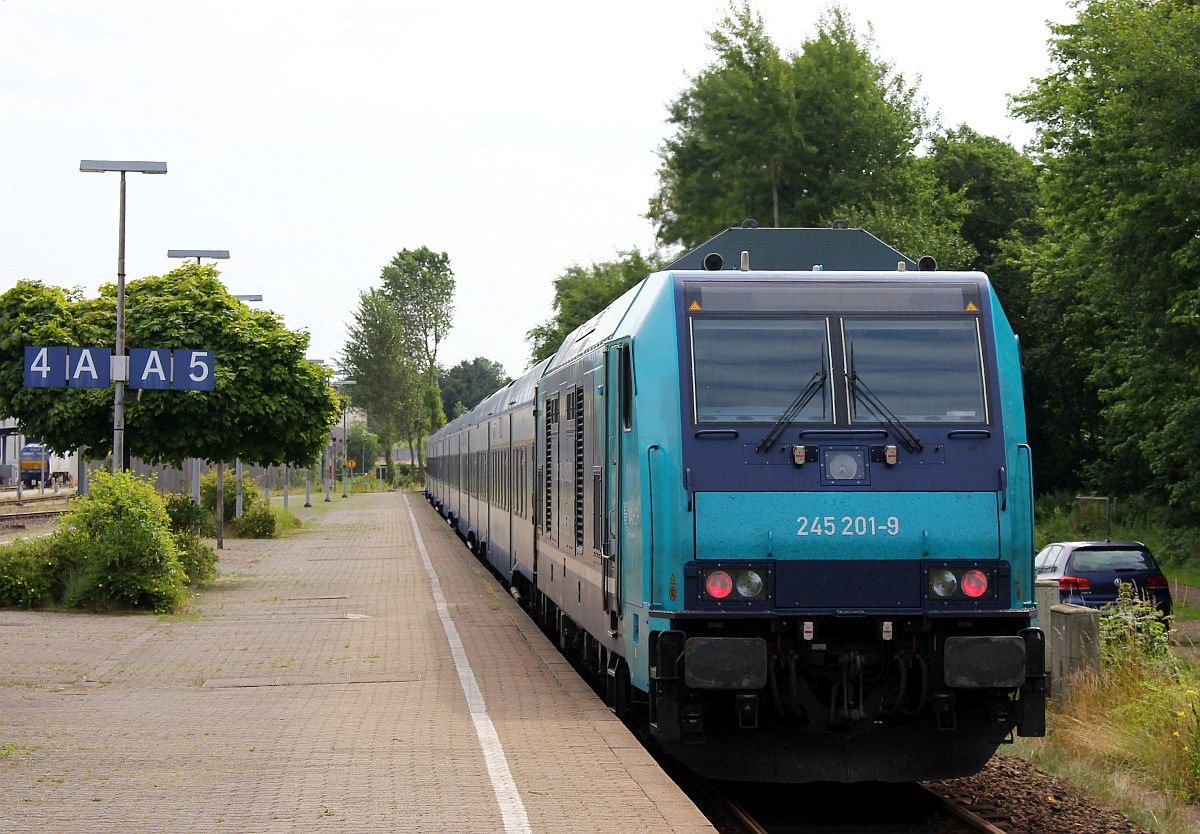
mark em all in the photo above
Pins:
pixel 1072 639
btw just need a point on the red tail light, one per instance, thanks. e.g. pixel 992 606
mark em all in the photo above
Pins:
pixel 718 584
pixel 1076 582
pixel 1156 582
pixel 974 583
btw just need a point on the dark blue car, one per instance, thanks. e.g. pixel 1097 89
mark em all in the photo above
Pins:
pixel 1091 573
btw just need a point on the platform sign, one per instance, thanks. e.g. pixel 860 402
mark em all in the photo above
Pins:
pixel 45 367
pixel 195 370
pixel 93 367
pixel 149 368
pixel 89 367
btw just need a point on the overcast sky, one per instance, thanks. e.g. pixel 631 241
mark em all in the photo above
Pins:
pixel 315 140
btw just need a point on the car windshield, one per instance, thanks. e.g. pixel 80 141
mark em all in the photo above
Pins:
pixel 751 370
pixel 926 370
pixel 1084 561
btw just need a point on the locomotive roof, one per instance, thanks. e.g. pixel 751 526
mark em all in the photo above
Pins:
pixel 841 249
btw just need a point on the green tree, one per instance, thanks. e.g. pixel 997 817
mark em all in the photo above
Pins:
pixel 736 133
pixel 380 356
pixel 997 182
pixel 421 285
pixel 925 220
pixel 862 122
pixel 366 448
pixel 1118 136
pixel 269 406
pixel 469 382
pixel 759 134
pixel 582 292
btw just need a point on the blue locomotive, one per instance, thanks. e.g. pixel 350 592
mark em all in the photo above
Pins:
pixel 777 499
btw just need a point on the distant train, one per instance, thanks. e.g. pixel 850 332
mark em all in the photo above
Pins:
pixel 783 511
pixel 41 466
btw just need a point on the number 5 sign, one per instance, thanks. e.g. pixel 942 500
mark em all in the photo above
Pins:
pixel 194 370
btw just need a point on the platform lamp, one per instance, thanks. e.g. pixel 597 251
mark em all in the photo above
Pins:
pixel 217 255
pixel 237 464
pixel 345 436
pixel 120 363
pixel 308 471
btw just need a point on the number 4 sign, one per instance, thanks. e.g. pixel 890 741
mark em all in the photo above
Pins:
pixel 45 367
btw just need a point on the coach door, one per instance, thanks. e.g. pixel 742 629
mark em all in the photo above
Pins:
pixel 550 468
pixel 618 420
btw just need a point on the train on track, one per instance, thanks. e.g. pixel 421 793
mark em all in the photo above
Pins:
pixel 777 500
pixel 41 466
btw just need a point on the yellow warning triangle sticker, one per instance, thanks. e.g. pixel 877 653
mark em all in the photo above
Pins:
pixel 971 308
pixel 695 306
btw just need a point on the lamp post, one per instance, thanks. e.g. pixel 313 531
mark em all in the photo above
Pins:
pixel 218 255
pixel 345 437
pixel 308 471
pixel 238 461
pixel 120 363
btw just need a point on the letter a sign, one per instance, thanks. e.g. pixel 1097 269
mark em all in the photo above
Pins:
pixel 88 367
pixel 149 368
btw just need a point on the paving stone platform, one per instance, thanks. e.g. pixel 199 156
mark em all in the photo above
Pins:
pixel 319 684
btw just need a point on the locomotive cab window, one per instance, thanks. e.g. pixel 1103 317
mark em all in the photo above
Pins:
pixel 824 353
pixel 787 355
pixel 925 370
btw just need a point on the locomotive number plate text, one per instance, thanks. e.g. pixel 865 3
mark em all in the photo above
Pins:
pixel 847 525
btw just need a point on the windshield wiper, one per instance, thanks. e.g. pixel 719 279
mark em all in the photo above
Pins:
pixel 859 392
pixel 802 399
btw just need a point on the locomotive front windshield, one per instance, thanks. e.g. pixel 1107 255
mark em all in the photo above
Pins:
pixel 750 370
pixel 850 363
pixel 924 370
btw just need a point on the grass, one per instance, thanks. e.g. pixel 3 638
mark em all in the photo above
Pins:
pixel 1186 612
pixel 1149 809
pixel 285 522
pixel 1130 734
pixel 1187 574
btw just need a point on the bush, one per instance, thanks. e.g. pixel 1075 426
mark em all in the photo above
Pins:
pixel 117 549
pixel 251 493
pixel 198 560
pixel 27 572
pixel 1133 634
pixel 258 522
pixel 185 514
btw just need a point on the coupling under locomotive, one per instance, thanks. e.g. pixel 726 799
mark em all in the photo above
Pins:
pixel 782 510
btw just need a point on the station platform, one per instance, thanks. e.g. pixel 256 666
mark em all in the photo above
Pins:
pixel 363 674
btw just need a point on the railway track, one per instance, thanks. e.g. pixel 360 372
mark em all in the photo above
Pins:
pixel 904 808
pixel 23 519
pixel 33 509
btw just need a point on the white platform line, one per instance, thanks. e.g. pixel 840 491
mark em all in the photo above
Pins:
pixel 512 809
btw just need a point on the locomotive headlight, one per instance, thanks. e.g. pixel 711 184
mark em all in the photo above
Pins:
pixel 942 583
pixel 732 584
pixel 960 583
pixel 750 584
